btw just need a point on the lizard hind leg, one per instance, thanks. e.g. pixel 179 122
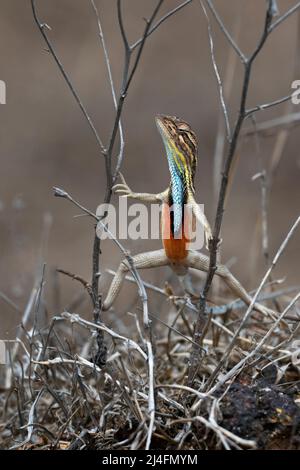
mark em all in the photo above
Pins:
pixel 199 261
pixel 151 259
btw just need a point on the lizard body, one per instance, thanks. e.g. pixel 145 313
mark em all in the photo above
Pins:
pixel 181 149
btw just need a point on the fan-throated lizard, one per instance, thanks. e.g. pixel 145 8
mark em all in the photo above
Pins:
pixel 181 148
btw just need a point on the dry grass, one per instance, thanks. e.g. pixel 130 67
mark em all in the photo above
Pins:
pixel 59 398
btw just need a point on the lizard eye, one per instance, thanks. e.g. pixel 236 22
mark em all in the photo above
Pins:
pixel 183 127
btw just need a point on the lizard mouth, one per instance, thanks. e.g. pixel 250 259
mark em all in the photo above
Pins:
pixel 175 158
pixel 160 126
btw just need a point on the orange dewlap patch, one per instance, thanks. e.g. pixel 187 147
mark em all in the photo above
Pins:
pixel 176 248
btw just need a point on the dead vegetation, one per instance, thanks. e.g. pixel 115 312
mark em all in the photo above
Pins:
pixel 60 398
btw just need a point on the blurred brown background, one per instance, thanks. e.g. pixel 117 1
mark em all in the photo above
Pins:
pixel 45 141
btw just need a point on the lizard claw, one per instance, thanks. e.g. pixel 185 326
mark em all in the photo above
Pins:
pixel 208 240
pixel 122 188
pixel 208 237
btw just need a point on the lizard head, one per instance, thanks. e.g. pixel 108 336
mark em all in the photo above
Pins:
pixel 181 149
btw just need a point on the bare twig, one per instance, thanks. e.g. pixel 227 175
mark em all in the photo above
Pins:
pixel 231 65
pixel 213 248
pixel 262 107
pixel 258 347
pixel 254 299
pixel 284 16
pixel 80 279
pixel 219 430
pixel 225 32
pixel 10 302
pixel 143 295
pixel 42 27
pixel 272 125
pixel 160 21
pixel 112 87
pixel 217 74
pixel 75 318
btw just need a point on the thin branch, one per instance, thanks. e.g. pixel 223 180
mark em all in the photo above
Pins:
pixel 82 281
pixel 217 74
pixel 258 347
pixel 219 430
pixel 42 27
pixel 126 81
pixel 254 299
pixel 143 295
pixel 225 32
pixel 10 302
pixel 122 29
pixel 231 64
pixel 264 106
pixel 273 124
pixel 284 16
pixel 142 44
pixel 111 82
pixel 214 242
pixel 75 318
pixel 160 21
